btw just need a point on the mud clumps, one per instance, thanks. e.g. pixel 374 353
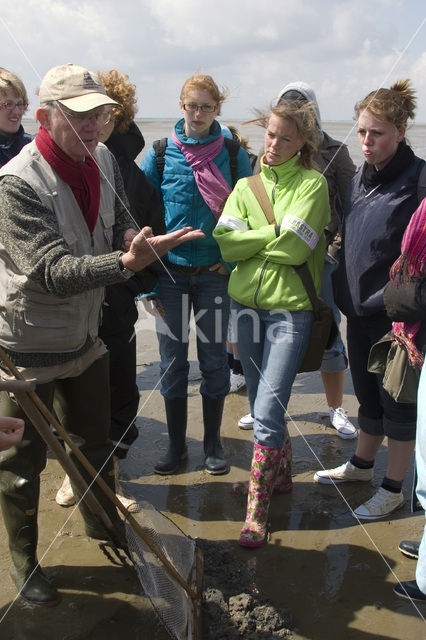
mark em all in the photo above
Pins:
pixel 233 608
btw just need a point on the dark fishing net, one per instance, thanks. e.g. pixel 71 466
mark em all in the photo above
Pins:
pixel 169 599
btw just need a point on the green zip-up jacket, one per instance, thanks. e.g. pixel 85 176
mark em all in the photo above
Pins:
pixel 264 277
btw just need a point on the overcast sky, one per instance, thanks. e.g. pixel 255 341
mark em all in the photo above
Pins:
pixel 342 48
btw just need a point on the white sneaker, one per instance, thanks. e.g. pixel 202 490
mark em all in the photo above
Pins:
pixel 246 422
pixel 345 473
pixel 129 503
pixel 237 382
pixel 65 496
pixel 340 421
pixel 382 504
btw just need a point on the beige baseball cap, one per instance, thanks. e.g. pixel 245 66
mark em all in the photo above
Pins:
pixel 75 87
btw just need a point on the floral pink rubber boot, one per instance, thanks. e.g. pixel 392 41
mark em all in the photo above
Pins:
pixel 264 468
pixel 283 480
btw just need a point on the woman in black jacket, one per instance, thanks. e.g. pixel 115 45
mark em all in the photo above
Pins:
pixel 380 202
pixel 13 105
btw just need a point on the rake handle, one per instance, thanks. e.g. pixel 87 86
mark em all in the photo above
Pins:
pixel 51 419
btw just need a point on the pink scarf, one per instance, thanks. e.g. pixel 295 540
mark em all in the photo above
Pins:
pixel 411 264
pixel 210 182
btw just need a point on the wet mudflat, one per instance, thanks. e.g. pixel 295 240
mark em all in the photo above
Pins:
pixel 321 574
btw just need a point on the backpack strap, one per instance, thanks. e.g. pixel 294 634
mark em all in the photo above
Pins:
pixel 160 151
pixel 233 147
pixel 421 185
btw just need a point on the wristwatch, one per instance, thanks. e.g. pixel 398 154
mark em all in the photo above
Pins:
pixel 127 272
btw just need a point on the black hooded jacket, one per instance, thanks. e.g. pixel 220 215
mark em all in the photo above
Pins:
pixel 378 208
pixel 146 209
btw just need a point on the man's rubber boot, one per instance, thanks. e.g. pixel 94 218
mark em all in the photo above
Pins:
pixel 176 415
pixel 19 504
pixel 215 462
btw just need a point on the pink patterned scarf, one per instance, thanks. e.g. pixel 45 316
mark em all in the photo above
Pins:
pixel 210 182
pixel 411 264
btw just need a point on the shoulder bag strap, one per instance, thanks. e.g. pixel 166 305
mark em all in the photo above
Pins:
pixel 258 188
pixel 304 274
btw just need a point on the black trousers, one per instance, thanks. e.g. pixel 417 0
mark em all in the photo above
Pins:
pixel 378 412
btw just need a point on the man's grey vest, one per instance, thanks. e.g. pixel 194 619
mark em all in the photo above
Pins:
pixel 33 320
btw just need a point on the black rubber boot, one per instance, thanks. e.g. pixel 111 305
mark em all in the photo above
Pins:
pixel 215 462
pixel 176 414
pixel 35 588
pixel 19 503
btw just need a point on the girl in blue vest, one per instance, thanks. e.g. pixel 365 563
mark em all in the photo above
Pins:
pixel 195 184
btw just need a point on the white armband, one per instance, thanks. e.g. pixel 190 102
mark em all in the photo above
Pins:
pixel 301 229
pixel 232 223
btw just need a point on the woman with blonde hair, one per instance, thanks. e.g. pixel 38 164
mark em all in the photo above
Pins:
pixel 271 309
pixel 195 182
pixel 382 197
pixel 13 105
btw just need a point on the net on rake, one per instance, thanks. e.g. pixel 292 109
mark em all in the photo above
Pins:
pixel 169 599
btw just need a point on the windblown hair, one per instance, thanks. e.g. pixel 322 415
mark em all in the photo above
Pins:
pixel 9 80
pixel 238 136
pixel 395 105
pixel 201 81
pixel 302 113
pixel 119 88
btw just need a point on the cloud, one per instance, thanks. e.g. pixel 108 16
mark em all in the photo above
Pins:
pixel 343 48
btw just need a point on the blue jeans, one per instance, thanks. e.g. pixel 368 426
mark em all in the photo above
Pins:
pixel 421 474
pixel 335 358
pixel 206 294
pixel 271 345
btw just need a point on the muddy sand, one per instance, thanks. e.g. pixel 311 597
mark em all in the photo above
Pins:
pixel 321 575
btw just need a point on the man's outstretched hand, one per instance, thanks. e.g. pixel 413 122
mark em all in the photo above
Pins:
pixel 11 431
pixel 144 248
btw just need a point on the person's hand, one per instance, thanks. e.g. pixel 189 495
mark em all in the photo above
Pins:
pixel 220 268
pixel 153 306
pixel 11 431
pixel 129 234
pixel 146 248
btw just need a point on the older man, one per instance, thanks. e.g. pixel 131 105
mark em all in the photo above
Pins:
pixel 64 235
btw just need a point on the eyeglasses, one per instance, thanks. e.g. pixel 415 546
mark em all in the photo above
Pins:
pixel 10 106
pixel 205 108
pixel 102 118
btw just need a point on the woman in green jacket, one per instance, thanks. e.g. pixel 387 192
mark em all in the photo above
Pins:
pixel 272 312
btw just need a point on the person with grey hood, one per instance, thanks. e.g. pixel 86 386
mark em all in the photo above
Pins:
pixel 335 163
